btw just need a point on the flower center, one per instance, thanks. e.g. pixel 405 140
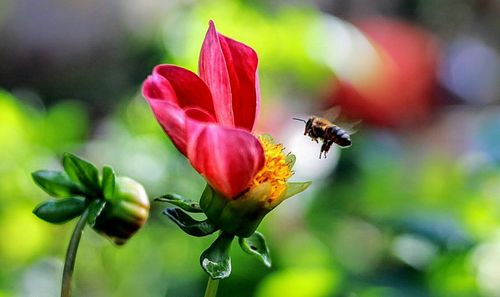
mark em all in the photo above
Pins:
pixel 277 168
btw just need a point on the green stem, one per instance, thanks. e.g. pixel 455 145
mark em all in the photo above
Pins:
pixel 69 263
pixel 212 286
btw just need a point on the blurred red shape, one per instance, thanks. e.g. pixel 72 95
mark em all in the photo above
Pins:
pixel 401 91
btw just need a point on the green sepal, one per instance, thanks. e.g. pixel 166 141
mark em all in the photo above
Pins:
pixel 290 160
pixel 188 224
pixel 56 183
pixel 256 245
pixel 215 260
pixel 60 211
pixel 239 217
pixel 108 182
pixel 95 209
pixel 82 172
pixel 267 138
pixel 178 200
pixel 294 188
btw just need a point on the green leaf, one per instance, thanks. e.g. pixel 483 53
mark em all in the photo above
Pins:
pixel 82 172
pixel 188 224
pixel 108 182
pixel 256 245
pixel 215 260
pixel 178 200
pixel 56 183
pixel 95 209
pixel 60 211
pixel 295 188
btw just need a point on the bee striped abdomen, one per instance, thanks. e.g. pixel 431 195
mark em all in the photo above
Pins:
pixel 339 136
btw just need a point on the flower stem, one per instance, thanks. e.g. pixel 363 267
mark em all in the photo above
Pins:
pixel 212 285
pixel 69 263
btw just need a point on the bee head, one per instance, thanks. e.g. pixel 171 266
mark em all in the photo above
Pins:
pixel 308 122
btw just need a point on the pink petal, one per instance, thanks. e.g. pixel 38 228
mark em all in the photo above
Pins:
pixel 190 90
pixel 172 120
pixel 213 70
pixel 171 92
pixel 199 115
pixel 241 63
pixel 159 88
pixel 163 101
pixel 228 158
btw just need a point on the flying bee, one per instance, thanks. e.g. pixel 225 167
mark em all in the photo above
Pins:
pixel 321 128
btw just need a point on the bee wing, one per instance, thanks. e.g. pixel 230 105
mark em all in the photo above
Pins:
pixel 350 127
pixel 332 113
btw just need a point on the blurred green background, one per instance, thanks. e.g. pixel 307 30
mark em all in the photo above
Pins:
pixel 411 209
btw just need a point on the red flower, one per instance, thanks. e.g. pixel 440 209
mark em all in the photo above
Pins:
pixel 210 117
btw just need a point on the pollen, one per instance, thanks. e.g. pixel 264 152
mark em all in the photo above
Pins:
pixel 277 168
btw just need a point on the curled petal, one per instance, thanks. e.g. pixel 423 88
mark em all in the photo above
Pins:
pixel 172 120
pixel 174 93
pixel 228 158
pixel 162 98
pixel 189 89
pixel 213 70
pixel 241 63
pixel 157 87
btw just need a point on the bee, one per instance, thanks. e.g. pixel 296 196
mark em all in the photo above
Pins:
pixel 321 128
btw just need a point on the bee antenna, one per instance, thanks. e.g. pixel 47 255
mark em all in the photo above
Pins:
pixel 297 119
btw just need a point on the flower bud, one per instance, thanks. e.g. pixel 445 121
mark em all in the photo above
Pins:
pixel 126 211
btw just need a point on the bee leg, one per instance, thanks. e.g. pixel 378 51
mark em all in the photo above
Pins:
pixel 326 147
pixel 323 149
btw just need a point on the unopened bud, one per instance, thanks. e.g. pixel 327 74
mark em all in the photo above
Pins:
pixel 125 212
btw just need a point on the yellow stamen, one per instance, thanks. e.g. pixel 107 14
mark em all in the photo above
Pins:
pixel 276 170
